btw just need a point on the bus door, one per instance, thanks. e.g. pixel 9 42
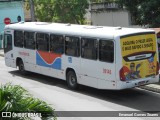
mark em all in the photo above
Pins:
pixel 8 49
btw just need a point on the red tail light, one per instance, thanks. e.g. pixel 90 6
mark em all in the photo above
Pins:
pixel 122 72
pixel 157 68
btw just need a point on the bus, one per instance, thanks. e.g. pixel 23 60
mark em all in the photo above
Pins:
pixel 11 11
pixel 101 57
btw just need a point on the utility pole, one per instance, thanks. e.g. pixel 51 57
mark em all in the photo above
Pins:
pixel 31 2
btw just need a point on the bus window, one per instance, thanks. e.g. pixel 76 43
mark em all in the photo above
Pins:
pixel 72 46
pixel 106 51
pixel 57 44
pixel 42 42
pixel 18 38
pixel 29 40
pixel 7 43
pixel 89 48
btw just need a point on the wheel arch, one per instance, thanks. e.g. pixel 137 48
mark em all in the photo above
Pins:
pixel 67 70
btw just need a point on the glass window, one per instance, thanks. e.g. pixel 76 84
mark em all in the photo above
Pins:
pixel 89 48
pixel 57 44
pixel 29 40
pixel 18 38
pixel 42 42
pixel 72 46
pixel 7 43
pixel 106 51
pixel 0 37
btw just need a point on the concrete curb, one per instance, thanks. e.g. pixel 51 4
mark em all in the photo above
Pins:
pixel 151 87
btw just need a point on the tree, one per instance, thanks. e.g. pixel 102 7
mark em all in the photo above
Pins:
pixel 149 13
pixel 66 11
pixel 143 12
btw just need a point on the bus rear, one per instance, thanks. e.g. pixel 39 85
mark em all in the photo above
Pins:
pixel 139 64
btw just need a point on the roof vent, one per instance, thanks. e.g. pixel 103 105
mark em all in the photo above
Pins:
pixel 90 27
pixel 118 28
pixel 22 22
pixel 68 24
pixel 42 23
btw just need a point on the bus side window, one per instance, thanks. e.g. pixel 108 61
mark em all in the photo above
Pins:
pixel 106 51
pixel 89 48
pixel 42 41
pixel 72 46
pixel 29 40
pixel 18 38
pixel 7 43
pixel 57 44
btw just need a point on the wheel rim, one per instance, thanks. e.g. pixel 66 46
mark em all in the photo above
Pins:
pixel 72 80
pixel 21 67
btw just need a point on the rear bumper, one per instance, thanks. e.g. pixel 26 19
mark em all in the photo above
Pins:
pixel 136 83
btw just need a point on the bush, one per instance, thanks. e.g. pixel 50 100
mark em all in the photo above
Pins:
pixel 14 98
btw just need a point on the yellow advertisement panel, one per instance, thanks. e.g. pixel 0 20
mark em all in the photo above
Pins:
pixel 139 57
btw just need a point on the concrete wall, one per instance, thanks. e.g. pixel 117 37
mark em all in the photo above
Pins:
pixel 111 18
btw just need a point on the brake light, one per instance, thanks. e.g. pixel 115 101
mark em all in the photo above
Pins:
pixel 157 68
pixel 122 73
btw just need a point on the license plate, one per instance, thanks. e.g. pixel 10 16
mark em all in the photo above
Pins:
pixel 141 83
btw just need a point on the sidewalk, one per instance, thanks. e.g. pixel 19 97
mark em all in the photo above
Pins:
pixel 150 87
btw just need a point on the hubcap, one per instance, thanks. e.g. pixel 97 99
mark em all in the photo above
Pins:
pixel 72 80
pixel 21 67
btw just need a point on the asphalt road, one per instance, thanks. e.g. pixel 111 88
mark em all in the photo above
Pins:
pixel 56 93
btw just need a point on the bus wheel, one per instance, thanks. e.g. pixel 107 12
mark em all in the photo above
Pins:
pixel 72 80
pixel 21 67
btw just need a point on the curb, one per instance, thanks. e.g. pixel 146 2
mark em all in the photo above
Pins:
pixel 153 88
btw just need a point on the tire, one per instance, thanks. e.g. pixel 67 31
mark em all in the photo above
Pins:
pixel 72 80
pixel 21 68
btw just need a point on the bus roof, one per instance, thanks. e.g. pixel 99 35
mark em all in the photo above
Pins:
pixel 76 30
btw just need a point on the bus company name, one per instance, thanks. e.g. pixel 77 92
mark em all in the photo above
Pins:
pixel 23 53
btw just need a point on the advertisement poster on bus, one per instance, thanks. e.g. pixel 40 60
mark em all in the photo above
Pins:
pixel 139 58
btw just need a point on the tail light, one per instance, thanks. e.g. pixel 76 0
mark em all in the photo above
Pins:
pixel 157 68
pixel 122 72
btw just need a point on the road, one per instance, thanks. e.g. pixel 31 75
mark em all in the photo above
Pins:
pixel 55 92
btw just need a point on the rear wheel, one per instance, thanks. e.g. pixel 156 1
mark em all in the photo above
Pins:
pixel 21 67
pixel 72 80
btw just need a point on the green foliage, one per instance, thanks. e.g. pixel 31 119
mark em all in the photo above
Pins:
pixel 17 99
pixel 65 11
pixel 144 12
pixel 149 13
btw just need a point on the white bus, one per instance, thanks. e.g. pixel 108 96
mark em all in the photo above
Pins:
pixel 100 57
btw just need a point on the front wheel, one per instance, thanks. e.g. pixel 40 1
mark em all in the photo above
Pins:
pixel 72 80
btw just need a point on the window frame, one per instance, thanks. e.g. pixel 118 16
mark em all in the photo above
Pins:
pixel 79 47
pixel 6 49
pixel 63 51
pixel 48 43
pixel 22 44
pixel 97 48
pixel 111 40
pixel 33 40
